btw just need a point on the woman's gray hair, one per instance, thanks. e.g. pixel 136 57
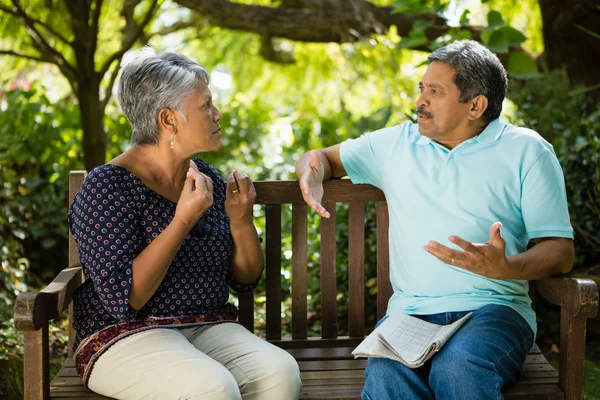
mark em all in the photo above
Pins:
pixel 152 81
pixel 476 71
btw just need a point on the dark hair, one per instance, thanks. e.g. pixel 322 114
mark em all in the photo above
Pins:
pixel 477 71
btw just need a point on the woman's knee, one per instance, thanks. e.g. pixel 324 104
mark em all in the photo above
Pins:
pixel 277 377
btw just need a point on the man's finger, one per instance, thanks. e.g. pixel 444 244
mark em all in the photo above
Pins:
pixel 460 242
pixel 496 238
pixel 445 254
pixel 315 205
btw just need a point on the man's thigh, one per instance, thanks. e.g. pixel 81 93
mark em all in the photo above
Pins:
pixel 492 345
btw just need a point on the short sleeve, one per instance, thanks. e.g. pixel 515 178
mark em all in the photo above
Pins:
pixel 544 200
pixel 105 228
pixel 360 161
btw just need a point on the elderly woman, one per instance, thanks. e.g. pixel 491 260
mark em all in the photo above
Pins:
pixel 161 236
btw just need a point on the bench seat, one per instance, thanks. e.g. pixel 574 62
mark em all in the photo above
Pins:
pixel 331 373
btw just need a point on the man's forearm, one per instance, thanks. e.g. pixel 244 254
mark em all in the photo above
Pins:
pixel 551 256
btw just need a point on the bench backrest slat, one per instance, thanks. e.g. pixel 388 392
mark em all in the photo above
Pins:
pixel 273 270
pixel 384 288
pixel 356 269
pixel 328 274
pixel 299 270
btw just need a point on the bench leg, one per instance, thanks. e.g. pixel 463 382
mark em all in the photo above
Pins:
pixel 36 371
pixel 572 355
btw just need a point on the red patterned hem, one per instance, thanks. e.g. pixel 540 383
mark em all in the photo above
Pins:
pixel 92 347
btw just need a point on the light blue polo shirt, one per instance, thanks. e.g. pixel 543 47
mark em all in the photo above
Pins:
pixel 505 174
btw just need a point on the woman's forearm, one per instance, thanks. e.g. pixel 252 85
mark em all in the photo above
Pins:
pixel 152 264
pixel 247 259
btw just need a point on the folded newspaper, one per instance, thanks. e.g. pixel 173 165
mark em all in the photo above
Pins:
pixel 407 339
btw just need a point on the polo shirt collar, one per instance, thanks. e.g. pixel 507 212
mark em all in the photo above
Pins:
pixel 491 133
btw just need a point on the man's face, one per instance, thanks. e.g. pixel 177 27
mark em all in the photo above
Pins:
pixel 441 116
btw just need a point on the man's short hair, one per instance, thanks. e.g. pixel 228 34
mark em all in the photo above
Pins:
pixel 477 71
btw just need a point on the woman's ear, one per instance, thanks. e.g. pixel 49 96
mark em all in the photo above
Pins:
pixel 478 106
pixel 167 120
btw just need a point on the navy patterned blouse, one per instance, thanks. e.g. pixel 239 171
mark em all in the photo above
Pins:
pixel 113 218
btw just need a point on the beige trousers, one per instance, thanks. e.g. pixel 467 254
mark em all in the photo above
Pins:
pixel 223 361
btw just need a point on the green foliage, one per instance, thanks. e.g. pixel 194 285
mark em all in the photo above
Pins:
pixel 38 148
pixel 411 7
pixel 568 120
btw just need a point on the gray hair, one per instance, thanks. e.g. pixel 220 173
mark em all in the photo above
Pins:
pixel 477 71
pixel 152 81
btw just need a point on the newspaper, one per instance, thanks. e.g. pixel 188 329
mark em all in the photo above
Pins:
pixel 407 339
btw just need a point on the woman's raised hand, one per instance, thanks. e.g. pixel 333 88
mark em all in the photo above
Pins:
pixel 196 197
pixel 240 198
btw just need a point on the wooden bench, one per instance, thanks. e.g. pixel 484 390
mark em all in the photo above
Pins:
pixel 328 370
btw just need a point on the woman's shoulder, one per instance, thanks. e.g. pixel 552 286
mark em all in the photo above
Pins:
pixel 109 178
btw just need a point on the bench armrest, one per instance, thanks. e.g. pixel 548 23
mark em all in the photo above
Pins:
pixel 578 296
pixel 34 309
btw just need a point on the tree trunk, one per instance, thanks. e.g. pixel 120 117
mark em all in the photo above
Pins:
pixel 572 39
pixel 92 124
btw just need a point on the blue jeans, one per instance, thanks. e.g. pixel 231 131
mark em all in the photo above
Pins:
pixel 484 355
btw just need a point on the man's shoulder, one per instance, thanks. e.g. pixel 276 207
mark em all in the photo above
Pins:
pixel 524 136
pixel 518 140
pixel 406 131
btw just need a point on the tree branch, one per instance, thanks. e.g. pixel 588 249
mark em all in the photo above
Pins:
pixel 42 45
pixel 109 88
pixel 38 22
pixel 133 33
pixel 94 27
pixel 345 23
pixel 27 56
pixel 166 30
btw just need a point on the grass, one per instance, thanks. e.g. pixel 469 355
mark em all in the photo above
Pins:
pixel 592 369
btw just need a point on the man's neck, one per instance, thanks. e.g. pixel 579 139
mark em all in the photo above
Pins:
pixel 459 137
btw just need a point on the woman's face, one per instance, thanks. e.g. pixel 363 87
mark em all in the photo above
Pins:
pixel 199 131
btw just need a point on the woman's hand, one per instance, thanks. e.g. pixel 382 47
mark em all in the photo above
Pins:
pixel 239 198
pixel 196 197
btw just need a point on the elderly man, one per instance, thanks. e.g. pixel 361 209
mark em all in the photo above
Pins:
pixel 466 194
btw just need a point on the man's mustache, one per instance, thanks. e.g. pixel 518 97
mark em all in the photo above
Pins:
pixel 425 113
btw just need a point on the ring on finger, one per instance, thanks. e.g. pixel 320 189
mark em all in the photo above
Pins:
pixel 452 262
pixel 234 191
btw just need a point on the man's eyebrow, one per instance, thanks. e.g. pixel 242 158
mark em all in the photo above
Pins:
pixel 432 85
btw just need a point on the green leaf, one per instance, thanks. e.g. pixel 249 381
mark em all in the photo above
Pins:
pixel 513 36
pixel 420 26
pixel 464 18
pixel 522 66
pixel 48 243
pixel 495 19
pixel 497 42
pixel 412 42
